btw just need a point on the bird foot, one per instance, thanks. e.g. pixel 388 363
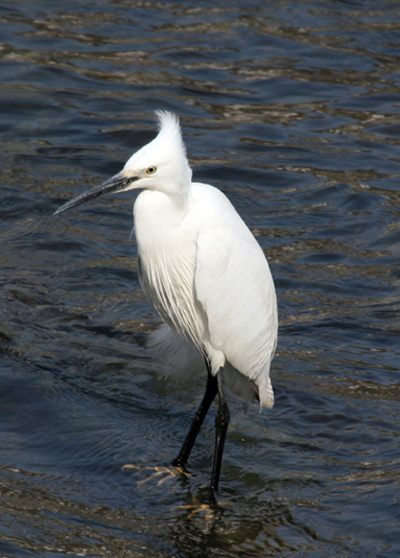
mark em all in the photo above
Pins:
pixel 210 510
pixel 207 510
pixel 161 474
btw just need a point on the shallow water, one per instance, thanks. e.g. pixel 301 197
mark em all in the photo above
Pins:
pixel 292 109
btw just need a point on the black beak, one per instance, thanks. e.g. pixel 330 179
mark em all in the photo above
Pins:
pixel 116 183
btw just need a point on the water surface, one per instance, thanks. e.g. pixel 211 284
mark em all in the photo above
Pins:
pixel 292 109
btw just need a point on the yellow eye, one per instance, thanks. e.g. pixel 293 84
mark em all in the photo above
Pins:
pixel 151 170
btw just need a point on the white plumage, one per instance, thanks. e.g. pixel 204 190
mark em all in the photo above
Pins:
pixel 202 270
pixel 202 284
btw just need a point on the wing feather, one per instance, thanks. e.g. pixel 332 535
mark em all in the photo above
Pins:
pixel 234 287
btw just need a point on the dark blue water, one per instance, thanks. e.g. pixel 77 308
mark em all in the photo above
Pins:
pixel 293 110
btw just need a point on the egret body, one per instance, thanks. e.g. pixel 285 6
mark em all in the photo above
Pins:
pixel 207 277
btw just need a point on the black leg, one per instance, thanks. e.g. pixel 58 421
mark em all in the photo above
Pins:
pixel 221 427
pixel 209 396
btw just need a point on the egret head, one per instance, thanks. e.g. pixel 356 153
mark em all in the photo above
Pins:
pixel 160 165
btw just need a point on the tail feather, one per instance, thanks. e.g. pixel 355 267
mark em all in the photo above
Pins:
pixel 177 357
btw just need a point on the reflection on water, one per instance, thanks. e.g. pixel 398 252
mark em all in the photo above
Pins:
pixel 292 110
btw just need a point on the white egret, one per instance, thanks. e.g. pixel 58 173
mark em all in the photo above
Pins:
pixel 205 274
